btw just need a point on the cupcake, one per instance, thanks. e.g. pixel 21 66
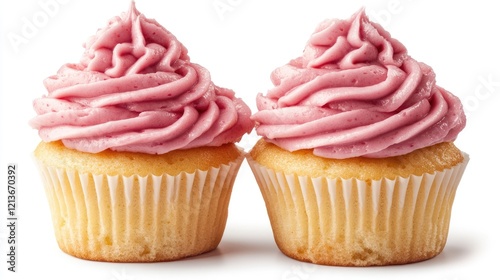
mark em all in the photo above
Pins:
pixel 138 155
pixel 356 163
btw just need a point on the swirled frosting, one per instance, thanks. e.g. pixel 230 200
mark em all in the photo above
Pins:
pixel 135 89
pixel 356 92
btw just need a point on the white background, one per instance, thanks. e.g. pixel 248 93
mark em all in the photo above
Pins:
pixel 241 42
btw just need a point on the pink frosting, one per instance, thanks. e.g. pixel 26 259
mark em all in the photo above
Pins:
pixel 356 92
pixel 135 89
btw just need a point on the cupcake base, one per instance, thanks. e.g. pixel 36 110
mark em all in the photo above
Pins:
pixel 353 222
pixel 137 218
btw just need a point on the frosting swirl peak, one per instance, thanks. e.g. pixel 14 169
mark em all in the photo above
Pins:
pixel 135 89
pixel 356 92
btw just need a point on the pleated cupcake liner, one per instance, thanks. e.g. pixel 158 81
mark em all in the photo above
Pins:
pixel 139 218
pixel 351 222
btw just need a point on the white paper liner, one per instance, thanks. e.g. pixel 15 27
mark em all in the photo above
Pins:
pixel 139 219
pixel 354 222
